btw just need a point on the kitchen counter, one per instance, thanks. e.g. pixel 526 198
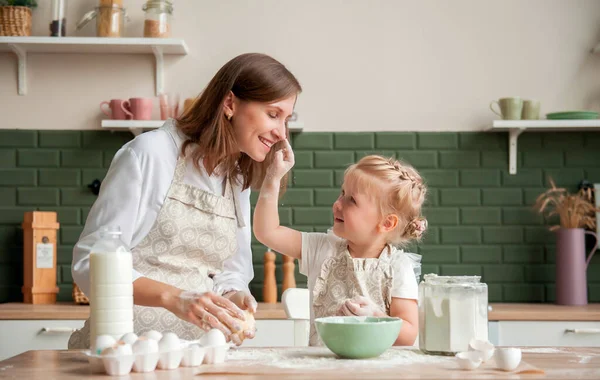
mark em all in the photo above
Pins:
pixel 571 363
pixel 543 312
pixel 70 311
pixel 499 312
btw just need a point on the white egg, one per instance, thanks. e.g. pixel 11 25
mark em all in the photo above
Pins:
pixel 129 338
pixel 469 360
pixel 153 334
pixel 485 348
pixel 102 341
pixel 169 342
pixel 145 346
pixel 507 358
pixel 122 349
pixel 213 337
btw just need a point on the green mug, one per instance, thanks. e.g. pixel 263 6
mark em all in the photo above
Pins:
pixel 531 110
pixel 510 108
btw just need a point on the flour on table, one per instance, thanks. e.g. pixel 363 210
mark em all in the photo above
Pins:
pixel 541 350
pixel 321 358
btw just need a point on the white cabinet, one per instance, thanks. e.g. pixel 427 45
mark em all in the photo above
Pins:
pixel 547 333
pixel 280 333
pixel 17 336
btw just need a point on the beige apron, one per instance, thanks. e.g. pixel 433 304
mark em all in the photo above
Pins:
pixel 194 233
pixel 343 277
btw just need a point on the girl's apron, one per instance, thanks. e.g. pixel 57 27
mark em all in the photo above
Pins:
pixel 343 277
pixel 194 233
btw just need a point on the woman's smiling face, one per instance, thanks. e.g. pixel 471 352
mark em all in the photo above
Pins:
pixel 258 126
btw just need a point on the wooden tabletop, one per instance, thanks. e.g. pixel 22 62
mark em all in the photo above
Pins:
pixel 79 312
pixel 499 312
pixel 563 363
pixel 543 312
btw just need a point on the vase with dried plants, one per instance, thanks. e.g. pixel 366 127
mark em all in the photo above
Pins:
pixel 576 214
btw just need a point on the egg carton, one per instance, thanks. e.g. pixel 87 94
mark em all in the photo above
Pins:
pixel 189 354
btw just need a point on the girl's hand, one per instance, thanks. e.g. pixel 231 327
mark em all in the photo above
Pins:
pixel 282 162
pixel 362 307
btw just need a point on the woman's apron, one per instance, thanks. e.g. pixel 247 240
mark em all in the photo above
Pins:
pixel 194 233
pixel 343 277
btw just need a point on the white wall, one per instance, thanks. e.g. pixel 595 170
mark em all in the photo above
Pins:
pixel 365 65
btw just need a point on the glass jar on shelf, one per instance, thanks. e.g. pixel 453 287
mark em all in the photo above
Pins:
pixel 110 20
pixel 157 19
pixel 58 21
pixel 453 310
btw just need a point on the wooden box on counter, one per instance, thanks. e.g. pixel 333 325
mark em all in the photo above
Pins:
pixel 39 257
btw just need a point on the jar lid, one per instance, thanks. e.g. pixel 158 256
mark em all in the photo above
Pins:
pixel 165 5
pixel 86 18
pixel 434 279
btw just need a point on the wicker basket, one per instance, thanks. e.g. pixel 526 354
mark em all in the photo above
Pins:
pixel 15 21
pixel 79 297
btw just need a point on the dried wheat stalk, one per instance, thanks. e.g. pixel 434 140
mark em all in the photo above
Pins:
pixel 573 210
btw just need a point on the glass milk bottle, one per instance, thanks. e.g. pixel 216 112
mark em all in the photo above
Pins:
pixel 111 294
pixel 452 311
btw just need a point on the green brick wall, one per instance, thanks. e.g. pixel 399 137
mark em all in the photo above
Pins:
pixel 480 216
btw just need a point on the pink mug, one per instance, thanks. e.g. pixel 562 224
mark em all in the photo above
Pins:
pixel 116 111
pixel 138 108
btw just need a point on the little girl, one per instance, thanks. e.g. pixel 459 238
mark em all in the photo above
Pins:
pixel 355 269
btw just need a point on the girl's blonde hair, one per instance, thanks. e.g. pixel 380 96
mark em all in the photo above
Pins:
pixel 397 188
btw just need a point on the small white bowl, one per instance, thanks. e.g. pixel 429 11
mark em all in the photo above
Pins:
pixel 469 360
pixel 215 354
pixel 117 365
pixel 193 355
pixel 507 358
pixel 484 347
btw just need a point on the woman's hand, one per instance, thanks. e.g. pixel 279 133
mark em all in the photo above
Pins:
pixel 282 162
pixel 244 301
pixel 208 311
pixel 362 307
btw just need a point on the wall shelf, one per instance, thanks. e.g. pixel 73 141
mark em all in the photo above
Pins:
pixel 158 47
pixel 516 127
pixel 138 126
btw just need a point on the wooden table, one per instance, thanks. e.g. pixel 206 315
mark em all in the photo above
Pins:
pixel 558 363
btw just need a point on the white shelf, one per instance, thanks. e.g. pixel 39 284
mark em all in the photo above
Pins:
pixel 516 127
pixel 138 126
pixel 158 47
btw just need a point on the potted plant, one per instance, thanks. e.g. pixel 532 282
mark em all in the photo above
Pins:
pixel 575 214
pixel 15 17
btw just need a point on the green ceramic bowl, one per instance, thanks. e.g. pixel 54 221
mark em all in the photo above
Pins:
pixel 358 337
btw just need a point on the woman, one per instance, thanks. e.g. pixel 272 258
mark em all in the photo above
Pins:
pixel 181 195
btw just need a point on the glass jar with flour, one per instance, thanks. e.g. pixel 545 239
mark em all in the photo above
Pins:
pixel 452 311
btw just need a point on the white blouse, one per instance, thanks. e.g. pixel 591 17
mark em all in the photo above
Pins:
pixel 133 193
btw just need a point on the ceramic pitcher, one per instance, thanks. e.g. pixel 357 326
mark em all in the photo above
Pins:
pixel 571 266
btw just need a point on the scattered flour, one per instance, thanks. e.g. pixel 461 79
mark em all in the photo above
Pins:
pixel 585 359
pixel 5 367
pixel 321 358
pixel 541 350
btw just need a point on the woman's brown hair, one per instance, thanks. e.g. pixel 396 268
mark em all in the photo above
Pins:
pixel 250 77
